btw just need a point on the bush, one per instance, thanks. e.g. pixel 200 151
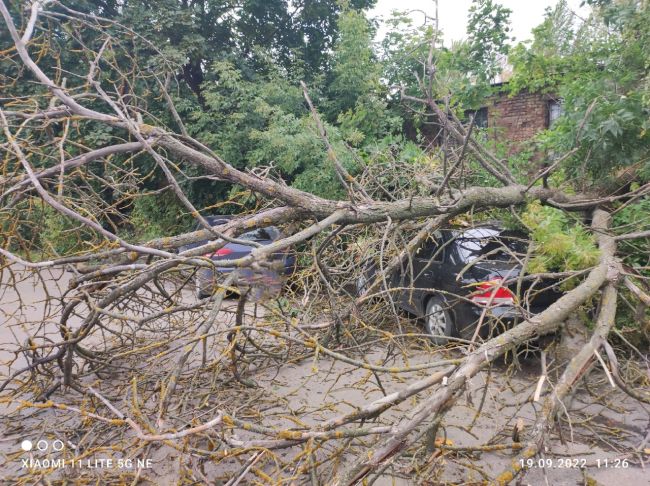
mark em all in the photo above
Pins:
pixel 62 235
pixel 633 218
pixel 157 215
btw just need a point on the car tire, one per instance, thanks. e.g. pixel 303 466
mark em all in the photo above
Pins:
pixel 365 280
pixel 202 295
pixel 201 292
pixel 438 322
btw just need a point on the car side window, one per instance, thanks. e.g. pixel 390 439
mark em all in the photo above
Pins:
pixel 212 221
pixel 431 248
pixel 260 234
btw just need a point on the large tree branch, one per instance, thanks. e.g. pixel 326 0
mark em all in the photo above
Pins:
pixel 22 182
pixel 575 370
pixel 21 47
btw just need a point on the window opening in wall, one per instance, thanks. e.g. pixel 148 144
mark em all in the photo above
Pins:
pixel 555 111
pixel 481 118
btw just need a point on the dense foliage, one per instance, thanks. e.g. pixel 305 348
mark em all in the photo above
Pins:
pixel 599 69
pixel 559 243
pixel 233 72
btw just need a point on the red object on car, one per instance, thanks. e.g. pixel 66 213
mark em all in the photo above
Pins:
pixel 219 253
pixel 495 294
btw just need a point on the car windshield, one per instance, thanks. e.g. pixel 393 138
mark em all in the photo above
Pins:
pixel 269 233
pixel 491 243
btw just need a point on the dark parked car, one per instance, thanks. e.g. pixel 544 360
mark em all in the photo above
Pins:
pixel 456 278
pixel 205 277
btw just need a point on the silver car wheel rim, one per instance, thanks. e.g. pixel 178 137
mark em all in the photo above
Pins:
pixel 437 320
pixel 362 284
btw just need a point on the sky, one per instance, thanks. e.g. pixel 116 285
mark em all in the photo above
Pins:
pixel 526 14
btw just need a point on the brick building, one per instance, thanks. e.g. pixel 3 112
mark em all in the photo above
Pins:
pixel 517 118
pixel 507 118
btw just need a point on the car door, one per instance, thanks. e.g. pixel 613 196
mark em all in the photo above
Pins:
pixel 422 273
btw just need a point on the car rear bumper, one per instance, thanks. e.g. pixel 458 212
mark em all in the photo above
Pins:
pixel 494 319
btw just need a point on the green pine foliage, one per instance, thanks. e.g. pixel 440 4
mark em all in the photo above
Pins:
pixel 559 244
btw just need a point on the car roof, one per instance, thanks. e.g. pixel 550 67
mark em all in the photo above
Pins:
pixel 218 217
pixel 479 231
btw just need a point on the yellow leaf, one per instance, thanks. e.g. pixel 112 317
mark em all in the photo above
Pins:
pixel 440 441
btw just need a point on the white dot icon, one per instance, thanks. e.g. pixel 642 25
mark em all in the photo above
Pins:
pixel 26 445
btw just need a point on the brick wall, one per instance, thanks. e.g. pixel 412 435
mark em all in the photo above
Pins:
pixel 517 118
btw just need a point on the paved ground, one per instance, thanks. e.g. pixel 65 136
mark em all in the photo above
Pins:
pixel 315 391
pixel 24 311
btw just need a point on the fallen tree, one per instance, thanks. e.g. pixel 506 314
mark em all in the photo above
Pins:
pixel 129 295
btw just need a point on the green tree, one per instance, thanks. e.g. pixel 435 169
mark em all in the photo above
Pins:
pixel 600 71
pixel 462 73
pixel 488 25
pixel 355 71
pixel 196 33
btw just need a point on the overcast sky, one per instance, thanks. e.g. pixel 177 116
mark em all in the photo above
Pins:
pixel 526 14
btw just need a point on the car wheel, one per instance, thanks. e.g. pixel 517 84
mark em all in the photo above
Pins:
pixel 362 284
pixel 365 280
pixel 437 321
pixel 201 291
